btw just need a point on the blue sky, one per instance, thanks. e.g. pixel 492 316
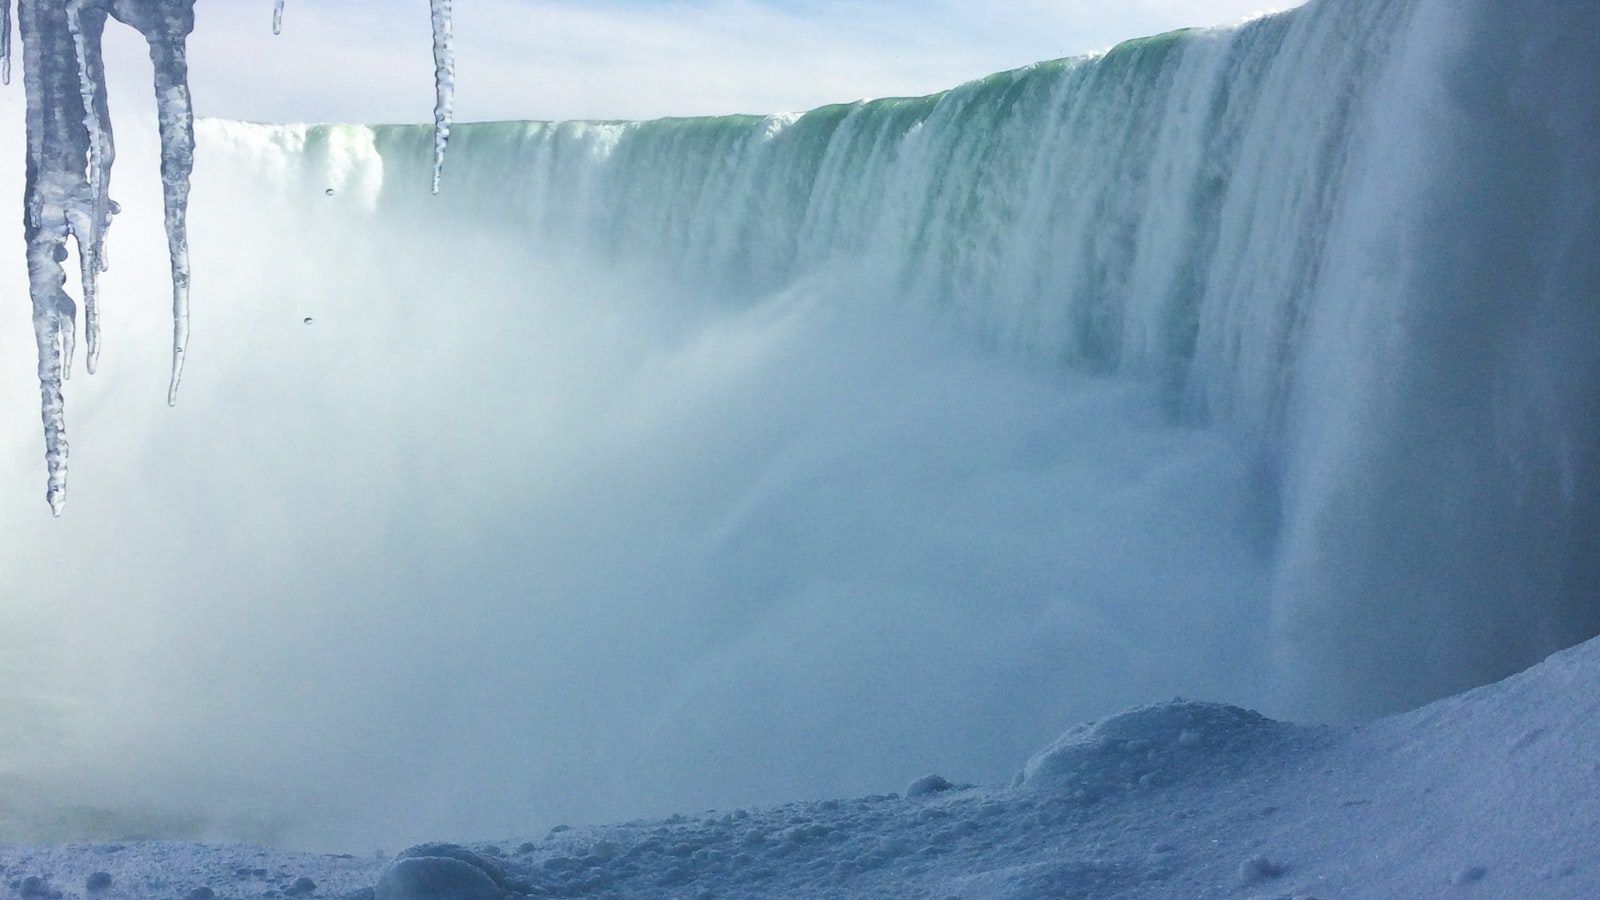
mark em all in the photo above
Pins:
pixel 367 60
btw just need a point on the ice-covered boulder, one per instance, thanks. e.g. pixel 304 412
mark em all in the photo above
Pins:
pixel 927 785
pixel 435 878
pixel 443 872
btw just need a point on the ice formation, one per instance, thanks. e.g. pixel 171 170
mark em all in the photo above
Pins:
pixel 444 85
pixel 70 154
pixel 5 42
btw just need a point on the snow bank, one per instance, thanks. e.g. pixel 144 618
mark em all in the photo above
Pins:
pixel 1488 794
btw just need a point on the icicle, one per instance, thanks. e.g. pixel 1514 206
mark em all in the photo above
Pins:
pixel 90 230
pixel 175 113
pixel 46 327
pixel 5 41
pixel 444 61
pixel 66 327
pixel 47 249
pixel 55 196
pixel 277 18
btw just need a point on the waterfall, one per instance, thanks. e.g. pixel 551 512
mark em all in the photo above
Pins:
pixel 1357 234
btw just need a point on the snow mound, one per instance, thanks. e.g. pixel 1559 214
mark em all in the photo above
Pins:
pixel 1150 745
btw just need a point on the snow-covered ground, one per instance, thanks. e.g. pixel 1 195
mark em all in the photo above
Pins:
pixel 1493 793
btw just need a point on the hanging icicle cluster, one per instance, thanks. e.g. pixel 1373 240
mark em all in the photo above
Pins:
pixel 70 154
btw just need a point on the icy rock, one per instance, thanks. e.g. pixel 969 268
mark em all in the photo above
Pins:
pixel 435 878
pixel 926 786
pixel 201 893
pixel 302 887
pixel 456 851
pixel 98 882
pixel 1259 868
pixel 34 886
pixel 454 856
pixel 1469 875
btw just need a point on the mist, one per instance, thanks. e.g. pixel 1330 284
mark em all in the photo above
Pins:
pixel 497 540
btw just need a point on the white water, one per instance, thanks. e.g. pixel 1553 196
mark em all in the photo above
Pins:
pixel 759 458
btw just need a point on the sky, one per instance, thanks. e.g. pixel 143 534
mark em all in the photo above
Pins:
pixel 566 59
